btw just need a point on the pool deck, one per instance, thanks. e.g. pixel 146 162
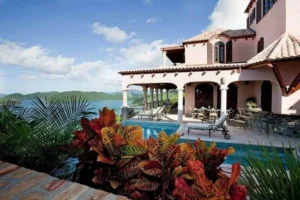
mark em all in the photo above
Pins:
pixel 238 134
pixel 24 184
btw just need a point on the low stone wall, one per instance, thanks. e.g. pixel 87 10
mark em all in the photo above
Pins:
pixel 21 183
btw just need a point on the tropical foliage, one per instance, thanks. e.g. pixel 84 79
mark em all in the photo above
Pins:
pixel 270 178
pixel 36 138
pixel 119 160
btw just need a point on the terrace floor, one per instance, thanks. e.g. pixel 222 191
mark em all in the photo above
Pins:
pixel 24 184
pixel 236 130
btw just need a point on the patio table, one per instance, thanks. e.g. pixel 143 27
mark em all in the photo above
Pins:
pixel 268 122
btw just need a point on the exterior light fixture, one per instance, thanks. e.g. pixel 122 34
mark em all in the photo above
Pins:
pixel 190 73
pixel 176 74
pixel 131 76
pixel 153 75
pixel 165 74
pixel 218 72
pixel 142 75
pixel 204 72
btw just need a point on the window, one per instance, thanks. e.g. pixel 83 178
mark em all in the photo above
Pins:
pixel 220 52
pixel 268 4
pixel 260 45
pixel 229 51
pixel 258 11
pixel 252 16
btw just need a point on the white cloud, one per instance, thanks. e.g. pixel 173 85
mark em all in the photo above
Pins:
pixel 112 34
pixel 148 2
pixel 153 20
pixel 28 77
pixel 132 20
pixel 140 54
pixel 33 58
pixel 228 14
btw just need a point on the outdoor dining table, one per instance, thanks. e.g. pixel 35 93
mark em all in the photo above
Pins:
pixel 268 121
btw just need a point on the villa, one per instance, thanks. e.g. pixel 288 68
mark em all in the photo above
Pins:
pixel 222 68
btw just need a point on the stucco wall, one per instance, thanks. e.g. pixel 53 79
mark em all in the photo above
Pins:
pixel 273 24
pixel 244 92
pixel 291 104
pixel 196 53
pixel 293 16
pixel 243 50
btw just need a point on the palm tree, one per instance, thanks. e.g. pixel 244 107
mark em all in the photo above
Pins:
pixel 35 137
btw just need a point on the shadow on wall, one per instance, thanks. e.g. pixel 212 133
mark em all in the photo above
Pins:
pixel 296 107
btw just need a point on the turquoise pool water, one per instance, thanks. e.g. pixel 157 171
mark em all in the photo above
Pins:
pixel 153 128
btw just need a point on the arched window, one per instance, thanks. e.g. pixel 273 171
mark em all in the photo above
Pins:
pixel 229 51
pixel 220 52
pixel 260 45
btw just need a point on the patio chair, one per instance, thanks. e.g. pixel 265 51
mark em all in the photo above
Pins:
pixel 219 125
pixel 201 115
pixel 195 113
pixel 213 114
pixel 149 113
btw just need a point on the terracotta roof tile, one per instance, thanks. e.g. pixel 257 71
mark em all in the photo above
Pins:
pixel 229 33
pixel 287 46
pixel 196 67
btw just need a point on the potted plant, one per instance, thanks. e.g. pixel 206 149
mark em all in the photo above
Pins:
pixel 251 102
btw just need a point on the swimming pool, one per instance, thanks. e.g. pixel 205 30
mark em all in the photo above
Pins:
pixel 154 128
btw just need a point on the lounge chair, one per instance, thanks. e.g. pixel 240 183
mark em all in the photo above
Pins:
pixel 149 113
pixel 160 113
pixel 217 126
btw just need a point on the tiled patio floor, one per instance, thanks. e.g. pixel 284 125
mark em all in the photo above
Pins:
pixel 24 184
pixel 238 134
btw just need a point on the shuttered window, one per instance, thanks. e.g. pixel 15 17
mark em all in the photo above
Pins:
pixel 229 52
pixel 258 11
pixel 248 24
pixel 260 45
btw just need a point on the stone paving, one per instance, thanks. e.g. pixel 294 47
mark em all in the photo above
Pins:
pixel 23 184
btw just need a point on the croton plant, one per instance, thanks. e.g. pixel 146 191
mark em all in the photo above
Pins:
pixel 119 160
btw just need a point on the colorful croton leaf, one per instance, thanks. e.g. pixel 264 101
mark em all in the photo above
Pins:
pixel 120 160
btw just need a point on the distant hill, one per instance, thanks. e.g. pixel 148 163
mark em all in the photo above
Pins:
pixel 2 95
pixel 91 96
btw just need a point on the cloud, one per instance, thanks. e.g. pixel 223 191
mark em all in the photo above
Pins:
pixel 140 54
pixel 153 20
pixel 148 2
pixel 132 20
pixel 228 14
pixel 28 77
pixel 112 34
pixel 33 58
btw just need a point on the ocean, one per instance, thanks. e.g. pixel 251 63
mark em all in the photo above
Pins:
pixel 95 105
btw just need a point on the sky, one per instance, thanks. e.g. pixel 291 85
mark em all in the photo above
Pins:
pixel 65 45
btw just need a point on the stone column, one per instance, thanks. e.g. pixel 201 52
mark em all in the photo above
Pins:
pixel 180 105
pixel 145 97
pixel 156 90
pixel 161 95
pixel 167 93
pixel 223 89
pixel 164 59
pixel 125 109
pixel 151 91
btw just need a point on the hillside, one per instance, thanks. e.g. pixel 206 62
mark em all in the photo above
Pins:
pixel 91 96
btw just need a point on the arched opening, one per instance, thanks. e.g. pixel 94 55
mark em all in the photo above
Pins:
pixel 204 95
pixel 266 96
pixel 232 96
pixel 260 45
pixel 229 52
pixel 219 52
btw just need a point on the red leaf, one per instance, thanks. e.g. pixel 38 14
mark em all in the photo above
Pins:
pixel 107 117
pixel 118 140
pixel 81 135
pixel 153 164
pixel 239 192
pixel 99 177
pixel 182 190
pixel 235 174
